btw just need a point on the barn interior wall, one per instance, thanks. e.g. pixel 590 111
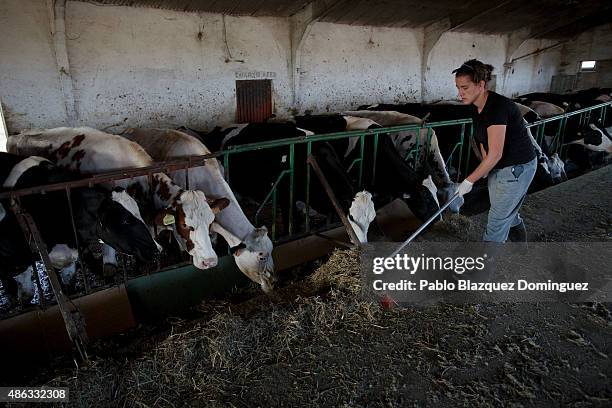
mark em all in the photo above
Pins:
pixel 451 50
pixel 136 66
pixel 29 79
pixel 345 66
pixel 133 66
pixel 532 70
pixel 594 44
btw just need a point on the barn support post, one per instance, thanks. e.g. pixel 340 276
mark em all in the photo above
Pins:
pixel 57 12
pixel 431 35
pixel 300 25
pixel 513 41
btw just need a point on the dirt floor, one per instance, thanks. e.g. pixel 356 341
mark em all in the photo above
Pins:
pixel 317 343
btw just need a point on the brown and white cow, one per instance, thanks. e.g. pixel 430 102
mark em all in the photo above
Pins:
pixel 252 248
pixel 90 151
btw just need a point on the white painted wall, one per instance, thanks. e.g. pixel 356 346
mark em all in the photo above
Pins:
pixel 135 66
pixel 452 50
pixel 532 73
pixel 345 66
pixel 149 67
pixel 29 82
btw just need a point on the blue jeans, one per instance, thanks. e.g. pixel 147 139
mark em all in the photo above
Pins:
pixel 507 190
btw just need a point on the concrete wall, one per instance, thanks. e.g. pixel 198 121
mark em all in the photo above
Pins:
pixel 531 73
pixel 156 67
pixel 135 66
pixel 344 66
pixel 452 50
pixel 595 44
pixel 149 67
pixel 29 81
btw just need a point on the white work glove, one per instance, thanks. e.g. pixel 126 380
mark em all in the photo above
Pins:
pixel 465 187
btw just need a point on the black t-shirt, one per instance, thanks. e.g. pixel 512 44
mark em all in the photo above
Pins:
pixel 499 110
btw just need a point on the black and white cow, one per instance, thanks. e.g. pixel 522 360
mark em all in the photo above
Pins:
pixel 428 154
pixel 571 101
pixel 358 205
pixel 448 136
pixel 90 151
pixel 110 216
pixel 251 247
pixel 392 177
pixel 594 137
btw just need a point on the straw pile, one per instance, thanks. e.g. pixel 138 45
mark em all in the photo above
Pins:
pixel 316 343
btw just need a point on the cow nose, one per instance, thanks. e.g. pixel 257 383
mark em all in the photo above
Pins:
pixel 209 263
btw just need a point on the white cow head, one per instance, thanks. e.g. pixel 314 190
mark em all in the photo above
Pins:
pixel 253 255
pixel 255 259
pixel 192 214
pixel 556 168
pixel 361 214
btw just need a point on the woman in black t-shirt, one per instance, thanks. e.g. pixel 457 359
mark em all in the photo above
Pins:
pixel 508 155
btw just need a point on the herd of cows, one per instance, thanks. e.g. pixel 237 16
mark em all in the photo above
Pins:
pixel 126 215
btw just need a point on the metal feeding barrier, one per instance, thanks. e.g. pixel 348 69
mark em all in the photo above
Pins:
pixel 557 144
pixel 458 157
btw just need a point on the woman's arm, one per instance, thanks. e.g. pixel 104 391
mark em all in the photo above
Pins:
pixel 496 135
pixel 483 153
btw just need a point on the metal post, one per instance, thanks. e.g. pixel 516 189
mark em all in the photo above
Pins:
pixel 375 158
pixel 460 152
pixel 226 166
pixel 308 152
pixel 76 240
pixel 75 324
pixel 332 197
pixel 361 154
pixel 274 215
pixel 291 184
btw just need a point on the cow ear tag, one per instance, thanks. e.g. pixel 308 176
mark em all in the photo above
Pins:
pixel 168 219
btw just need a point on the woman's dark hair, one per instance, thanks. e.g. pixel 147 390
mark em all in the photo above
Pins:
pixel 476 70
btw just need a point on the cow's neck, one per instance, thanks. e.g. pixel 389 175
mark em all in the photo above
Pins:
pixel 231 239
pixel 165 192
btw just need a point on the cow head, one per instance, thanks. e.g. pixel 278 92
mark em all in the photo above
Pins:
pixel 254 258
pixel 361 214
pixel 120 225
pixel 424 201
pixel 191 215
pixel 556 168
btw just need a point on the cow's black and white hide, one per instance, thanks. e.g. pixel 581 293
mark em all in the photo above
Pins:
pixel 268 164
pixel 391 177
pixel 422 143
pixel 98 215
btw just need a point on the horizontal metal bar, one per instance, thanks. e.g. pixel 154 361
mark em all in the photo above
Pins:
pixel 568 114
